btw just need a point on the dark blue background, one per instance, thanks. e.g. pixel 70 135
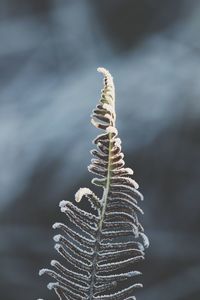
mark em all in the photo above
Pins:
pixel 49 52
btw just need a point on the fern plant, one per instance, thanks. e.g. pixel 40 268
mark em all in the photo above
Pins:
pixel 101 248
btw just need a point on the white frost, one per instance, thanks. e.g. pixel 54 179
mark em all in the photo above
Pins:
pixel 52 285
pixel 106 73
pixel 145 239
pixel 53 263
pixel 129 171
pixel 42 271
pixel 82 192
pixel 62 203
pixel 57 238
pixel 118 142
pixel 56 225
pixel 63 209
pixel 109 108
pixel 57 246
pixel 111 129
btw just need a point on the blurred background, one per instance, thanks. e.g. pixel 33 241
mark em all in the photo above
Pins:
pixel 49 52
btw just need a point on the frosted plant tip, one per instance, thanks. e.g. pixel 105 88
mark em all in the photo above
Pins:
pixel 129 171
pixel 52 285
pixel 53 263
pixel 56 225
pixel 93 237
pixel 62 203
pixel 82 192
pixel 102 70
pixel 57 247
pixel 56 238
pixel 41 272
pixel 134 273
pixel 144 239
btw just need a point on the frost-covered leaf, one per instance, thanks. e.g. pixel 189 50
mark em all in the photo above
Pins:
pixel 99 246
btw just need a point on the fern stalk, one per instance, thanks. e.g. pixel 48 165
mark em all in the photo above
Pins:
pixel 106 190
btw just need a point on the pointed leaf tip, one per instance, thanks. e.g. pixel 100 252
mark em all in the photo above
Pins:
pixel 41 272
pixel 82 192
pixel 62 203
pixel 52 285
pixel 102 70
pixel 57 238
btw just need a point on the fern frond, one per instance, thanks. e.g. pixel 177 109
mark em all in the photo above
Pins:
pixel 102 249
